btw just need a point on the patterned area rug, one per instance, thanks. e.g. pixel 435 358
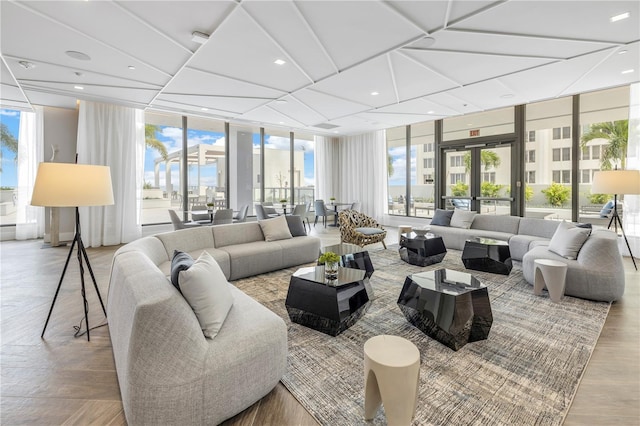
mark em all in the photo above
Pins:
pixel 525 373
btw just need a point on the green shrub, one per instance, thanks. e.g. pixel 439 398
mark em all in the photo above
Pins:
pixel 599 198
pixel 557 194
pixel 528 193
pixel 488 189
pixel 460 189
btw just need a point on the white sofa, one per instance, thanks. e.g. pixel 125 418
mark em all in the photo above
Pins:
pixel 168 372
pixel 596 274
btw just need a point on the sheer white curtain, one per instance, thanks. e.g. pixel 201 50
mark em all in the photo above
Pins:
pixel 631 216
pixel 113 136
pixel 363 172
pixel 327 167
pixel 29 219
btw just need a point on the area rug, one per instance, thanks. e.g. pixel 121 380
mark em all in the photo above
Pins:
pixel 525 373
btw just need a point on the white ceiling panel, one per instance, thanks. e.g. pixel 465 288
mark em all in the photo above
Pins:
pixel 353 31
pixel 452 103
pixel 360 82
pixel 419 106
pixel 235 105
pixel 414 79
pixel 92 92
pixel 266 114
pixel 179 108
pixel 295 37
pixel 426 15
pixel 329 106
pixel 489 94
pixel 560 19
pixel 297 110
pixel 241 50
pixel 51 99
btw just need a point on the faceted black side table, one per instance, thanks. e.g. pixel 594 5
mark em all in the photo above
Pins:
pixel 421 250
pixel 353 256
pixel 327 306
pixel 487 255
pixel 450 306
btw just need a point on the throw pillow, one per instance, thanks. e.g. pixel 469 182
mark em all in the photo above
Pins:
pixel 568 240
pixel 180 261
pixel 206 289
pixel 606 209
pixel 462 218
pixel 296 226
pixel 442 217
pixel 275 229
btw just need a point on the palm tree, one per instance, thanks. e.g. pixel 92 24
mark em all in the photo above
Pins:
pixel 617 135
pixel 153 143
pixel 7 140
pixel 390 165
pixel 488 159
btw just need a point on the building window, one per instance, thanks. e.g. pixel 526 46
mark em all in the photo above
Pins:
pixel 456 161
pixel 566 132
pixel 585 153
pixel 457 177
pixel 566 176
pixel 585 176
pixel 595 152
pixel 530 156
pixel 489 177
pixel 532 135
pixel 557 133
pixel 428 163
pixel 427 147
pixel 566 154
pixel 555 176
pixel 555 153
pixel 530 177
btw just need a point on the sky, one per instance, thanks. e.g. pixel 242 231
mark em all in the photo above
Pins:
pixel 9 175
pixel 399 161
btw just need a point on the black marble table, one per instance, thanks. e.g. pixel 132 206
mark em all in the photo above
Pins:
pixel 421 250
pixel 329 306
pixel 356 257
pixel 487 255
pixel 450 306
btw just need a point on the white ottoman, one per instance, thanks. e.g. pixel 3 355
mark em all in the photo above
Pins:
pixel 391 376
pixel 550 274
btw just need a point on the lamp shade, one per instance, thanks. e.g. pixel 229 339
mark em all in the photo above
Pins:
pixel 616 182
pixel 72 185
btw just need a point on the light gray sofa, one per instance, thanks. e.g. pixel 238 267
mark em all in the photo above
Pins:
pixel 168 372
pixel 596 274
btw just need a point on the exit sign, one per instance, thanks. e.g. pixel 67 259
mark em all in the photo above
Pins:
pixel 474 132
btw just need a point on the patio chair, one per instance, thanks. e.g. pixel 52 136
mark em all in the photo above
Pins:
pixel 179 224
pixel 360 229
pixel 301 210
pixel 241 214
pixel 203 218
pixel 322 211
pixel 223 216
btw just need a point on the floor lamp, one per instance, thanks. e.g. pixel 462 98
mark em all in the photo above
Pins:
pixel 617 182
pixel 73 185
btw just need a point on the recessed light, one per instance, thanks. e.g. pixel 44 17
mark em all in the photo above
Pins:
pixel 622 52
pixel 279 62
pixel 204 109
pixel 429 112
pixel 374 93
pixel 282 122
pixel 26 64
pixel 507 96
pixel 78 87
pixel 628 71
pixel 78 55
pixel 199 37
pixel 427 42
pixel 131 67
pixel 619 17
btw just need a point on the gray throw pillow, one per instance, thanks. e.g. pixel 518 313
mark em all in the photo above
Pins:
pixel 296 226
pixel 275 229
pixel 180 261
pixel 206 289
pixel 442 217
pixel 568 240
pixel 462 218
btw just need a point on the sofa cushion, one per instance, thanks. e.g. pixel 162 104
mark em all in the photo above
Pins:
pixel 237 233
pixel 275 229
pixel 180 261
pixel 568 240
pixel 537 227
pixel 296 226
pixel 187 239
pixel 369 231
pixel 442 217
pixel 498 223
pixel 206 289
pixel 462 218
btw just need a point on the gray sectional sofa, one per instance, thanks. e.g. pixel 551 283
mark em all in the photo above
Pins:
pixel 168 372
pixel 596 274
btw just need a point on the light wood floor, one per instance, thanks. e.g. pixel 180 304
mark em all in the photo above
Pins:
pixel 65 380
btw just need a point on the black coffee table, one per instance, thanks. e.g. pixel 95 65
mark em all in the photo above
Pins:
pixel 487 255
pixel 351 256
pixel 421 250
pixel 450 306
pixel 327 306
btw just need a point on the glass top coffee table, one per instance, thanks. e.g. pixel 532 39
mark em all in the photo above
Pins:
pixel 329 306
pixel 421 250
pixel 487 255
pixel 450 306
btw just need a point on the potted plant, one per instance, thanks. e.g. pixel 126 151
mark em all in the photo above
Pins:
pixel 332 200
pixel 283 202
pixel 210 206
pixel 330 261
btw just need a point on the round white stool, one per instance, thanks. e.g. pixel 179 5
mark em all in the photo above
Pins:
pixel 391 376
pixel 403 229
pixel 550 274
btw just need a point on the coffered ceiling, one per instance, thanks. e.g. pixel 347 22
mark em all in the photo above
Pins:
pixel 349 66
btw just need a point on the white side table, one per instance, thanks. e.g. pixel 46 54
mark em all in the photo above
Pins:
pixel 391 377
pixel 550 274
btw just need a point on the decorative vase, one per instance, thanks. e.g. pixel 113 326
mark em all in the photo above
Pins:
pixel 331 270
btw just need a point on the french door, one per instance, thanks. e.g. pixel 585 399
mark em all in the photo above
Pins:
pixel 478 177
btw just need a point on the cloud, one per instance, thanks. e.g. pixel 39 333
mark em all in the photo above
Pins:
pixel 281 142
pixel 9 112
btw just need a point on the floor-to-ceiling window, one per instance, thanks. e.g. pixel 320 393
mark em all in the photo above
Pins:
pixel 304 169
pixel 422 155
pixel 397 170
pixel 604 132
pixel 277 179
pixel 9 126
